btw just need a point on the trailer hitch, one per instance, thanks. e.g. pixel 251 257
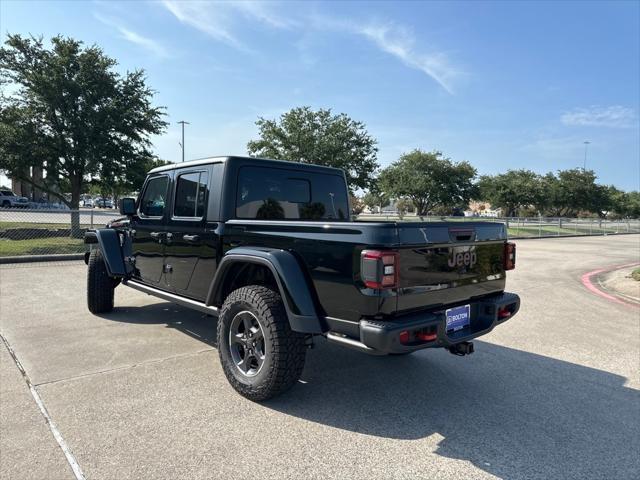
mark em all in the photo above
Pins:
pixel 461 349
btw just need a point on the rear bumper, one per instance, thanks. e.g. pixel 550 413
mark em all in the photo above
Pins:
pixel 384 336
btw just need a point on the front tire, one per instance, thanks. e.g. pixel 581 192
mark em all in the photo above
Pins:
pixel 260 355
pixel 100 286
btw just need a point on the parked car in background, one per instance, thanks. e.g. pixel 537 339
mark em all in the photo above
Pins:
pixel 104 203
pixel 88 202
pixel 8 199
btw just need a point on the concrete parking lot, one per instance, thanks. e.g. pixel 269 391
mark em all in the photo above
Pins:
pixel 139 393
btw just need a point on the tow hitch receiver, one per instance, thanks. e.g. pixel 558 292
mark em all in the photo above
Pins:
pixel 461 349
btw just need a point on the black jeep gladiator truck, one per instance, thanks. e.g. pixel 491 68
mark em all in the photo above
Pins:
pixel 270 249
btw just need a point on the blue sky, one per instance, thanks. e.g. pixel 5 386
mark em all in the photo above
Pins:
pixel 500 84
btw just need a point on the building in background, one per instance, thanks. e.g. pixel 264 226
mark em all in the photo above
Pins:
pixel 482 209
pixel 25 189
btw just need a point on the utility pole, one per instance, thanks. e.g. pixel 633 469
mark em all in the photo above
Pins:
pixel 183 123
pixel 584 165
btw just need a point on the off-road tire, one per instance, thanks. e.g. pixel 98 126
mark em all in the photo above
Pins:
pixel 285 349
pixel 100 286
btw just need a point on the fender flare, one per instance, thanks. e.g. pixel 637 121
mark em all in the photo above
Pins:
pixel 109 243
pixel 292 284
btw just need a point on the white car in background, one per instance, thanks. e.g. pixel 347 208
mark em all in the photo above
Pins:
pixel 88 202
pixel 104 203
pixel 8 199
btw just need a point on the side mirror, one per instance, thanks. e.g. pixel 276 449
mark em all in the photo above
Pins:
pixel 127 206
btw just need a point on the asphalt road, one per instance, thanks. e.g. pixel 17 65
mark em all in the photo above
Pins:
pixel 139 393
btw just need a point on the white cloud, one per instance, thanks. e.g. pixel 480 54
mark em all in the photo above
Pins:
pixel 129 35
pixel 399 42
pixel 263 12
pixel 615 116
pixel 203 17
pixel 217 19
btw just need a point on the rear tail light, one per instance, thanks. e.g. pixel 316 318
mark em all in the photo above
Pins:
pixel 379 269
pixel 427 336
pixel 407 337
pixel 509 256
pixel 504 312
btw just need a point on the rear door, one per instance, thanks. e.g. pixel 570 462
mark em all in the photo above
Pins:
pixel 149 229
pixel 186 229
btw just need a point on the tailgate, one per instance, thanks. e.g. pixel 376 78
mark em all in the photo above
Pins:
pixel 449 263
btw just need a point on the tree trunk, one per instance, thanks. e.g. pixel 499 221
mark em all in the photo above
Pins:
pixel 116 198
pixel 76 187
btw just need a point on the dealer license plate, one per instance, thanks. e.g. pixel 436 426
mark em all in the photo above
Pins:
pixel 458 317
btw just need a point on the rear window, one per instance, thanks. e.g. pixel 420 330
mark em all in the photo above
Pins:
pixel 279 194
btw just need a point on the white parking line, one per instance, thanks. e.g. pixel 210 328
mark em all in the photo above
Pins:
pixel 75 467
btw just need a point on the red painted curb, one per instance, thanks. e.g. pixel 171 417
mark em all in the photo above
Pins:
pixel 588 284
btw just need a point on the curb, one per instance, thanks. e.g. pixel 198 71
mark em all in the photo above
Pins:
pixel 600 277
pixel 588 278
pixel 41 258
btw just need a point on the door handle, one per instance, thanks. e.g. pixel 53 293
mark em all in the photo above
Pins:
pixel 156 234
pixel 191 238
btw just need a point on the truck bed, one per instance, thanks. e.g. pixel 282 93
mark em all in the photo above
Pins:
pixel 330 254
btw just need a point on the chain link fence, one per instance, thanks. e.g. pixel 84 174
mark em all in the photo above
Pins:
pixel 530 227
pixel 26 232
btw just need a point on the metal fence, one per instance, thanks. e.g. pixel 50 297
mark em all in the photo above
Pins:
pixel 530 227
pixel 28 232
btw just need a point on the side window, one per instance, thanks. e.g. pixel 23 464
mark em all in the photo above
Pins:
pixel 191 194
pixel 279 194
pixel 155 197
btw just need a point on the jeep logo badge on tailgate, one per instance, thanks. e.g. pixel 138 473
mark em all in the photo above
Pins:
pixel 462 259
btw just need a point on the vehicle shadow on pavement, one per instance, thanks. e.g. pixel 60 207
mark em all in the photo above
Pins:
pixel 511 413
pixel 190 322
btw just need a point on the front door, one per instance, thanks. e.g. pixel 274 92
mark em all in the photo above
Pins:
pixel 185 237
pixel 149 230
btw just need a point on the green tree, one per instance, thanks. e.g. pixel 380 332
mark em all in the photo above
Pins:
pixel 572 191
pixel 429 180
pixel 605 200
pixel 403 205
pixel 320 137
pixel 375 198
pixel 626 204
pixel 512 191
pixel 357 204
pixel 70 113
pixel 123 181
pixel 632 204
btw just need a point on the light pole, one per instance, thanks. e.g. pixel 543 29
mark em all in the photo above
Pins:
pixel 183 123
pixel 584 165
